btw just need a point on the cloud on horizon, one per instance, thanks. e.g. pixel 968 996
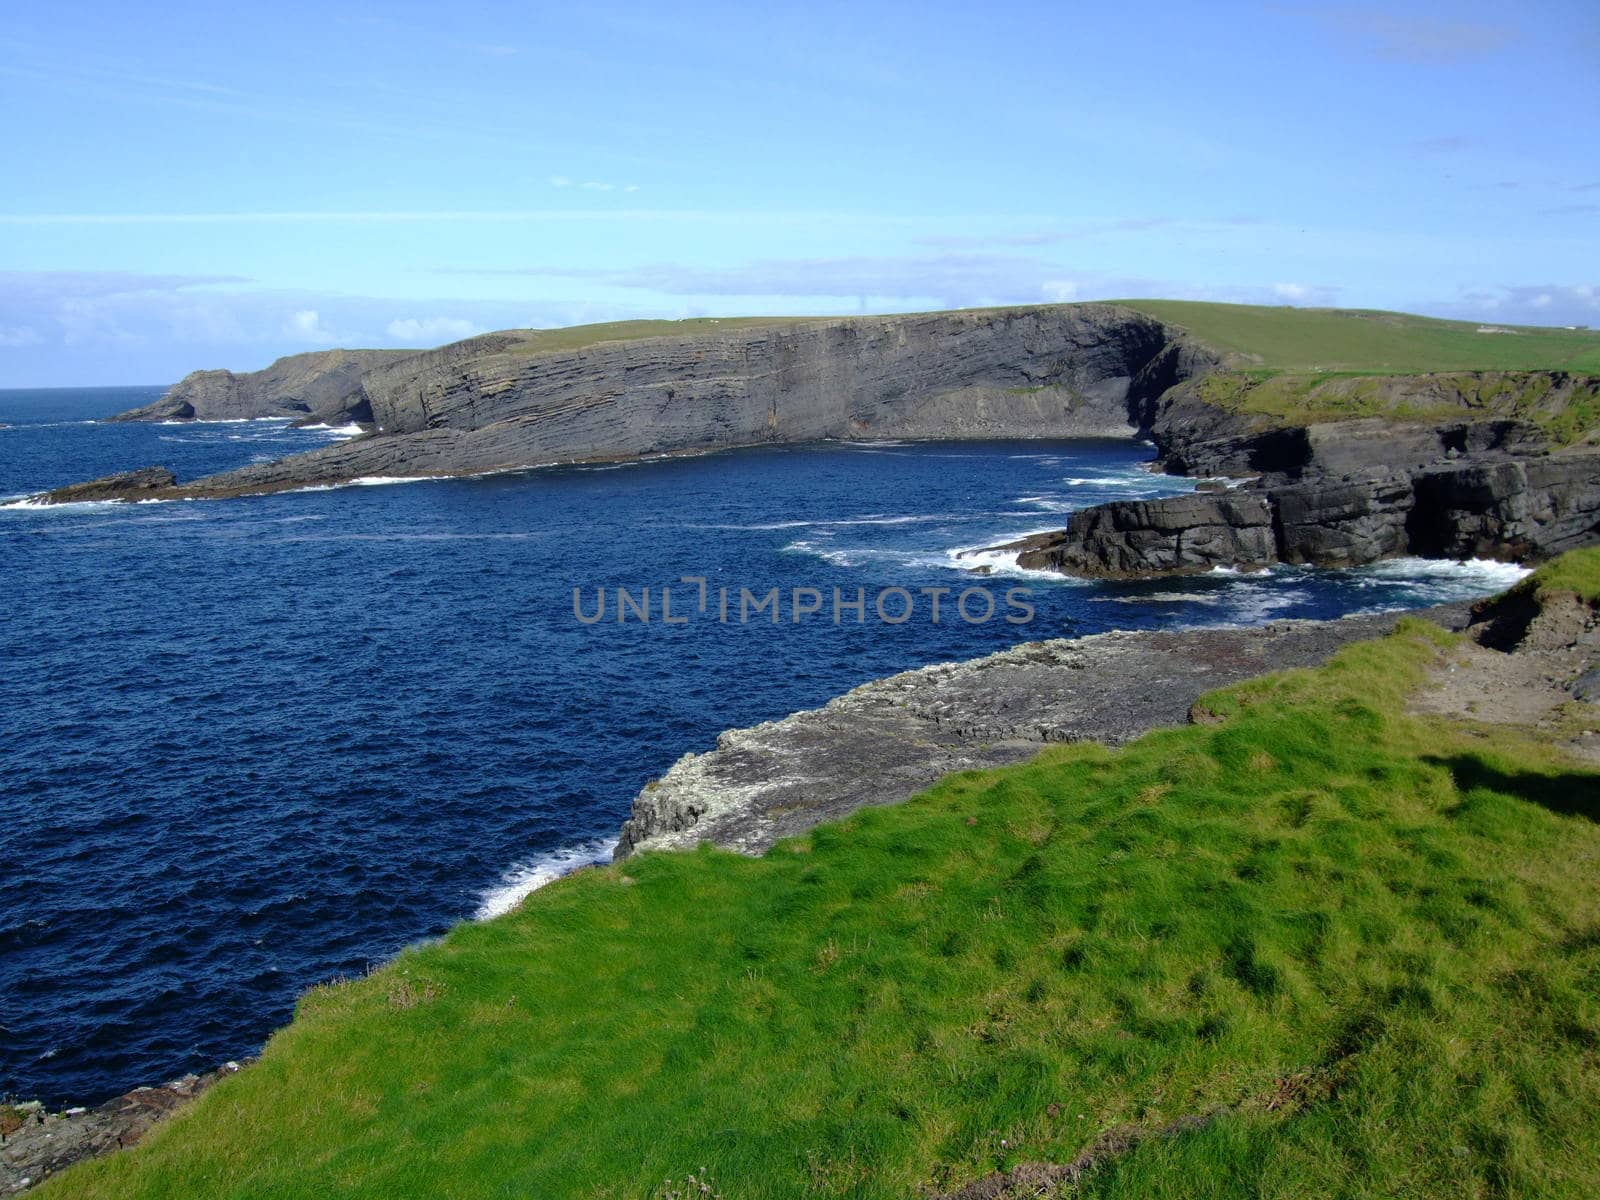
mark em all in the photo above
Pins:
pixel 84 328
pixel 1424 40
pixel 1526 304
pixel 951 280
pixel 102 328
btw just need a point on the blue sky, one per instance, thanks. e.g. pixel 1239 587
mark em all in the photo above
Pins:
pixel 197 185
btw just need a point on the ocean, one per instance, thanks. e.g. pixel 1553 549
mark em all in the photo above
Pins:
pixel 247 746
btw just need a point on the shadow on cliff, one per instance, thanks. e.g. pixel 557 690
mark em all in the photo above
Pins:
pixel 1574 792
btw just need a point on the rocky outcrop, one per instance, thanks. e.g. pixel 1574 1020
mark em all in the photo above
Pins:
pixel 35 1144
pixel 1236 423
pixel 891 738
pixel 149 483
pixel 1487 505
pixel 1146 537
pixel 325 385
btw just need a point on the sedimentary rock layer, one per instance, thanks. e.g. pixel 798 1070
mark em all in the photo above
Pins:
pixel 502 402
pixel 891 738
pixel 1493 505
pixel 325 385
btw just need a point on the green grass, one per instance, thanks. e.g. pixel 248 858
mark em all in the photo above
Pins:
pixel 1577 571
pixel 1568 411
pixel 579 337
pixel 1370 943
pixel 1302 340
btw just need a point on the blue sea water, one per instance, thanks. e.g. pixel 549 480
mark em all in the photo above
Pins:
pixel 251 745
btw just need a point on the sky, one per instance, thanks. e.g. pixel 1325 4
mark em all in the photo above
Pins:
pixel 197 185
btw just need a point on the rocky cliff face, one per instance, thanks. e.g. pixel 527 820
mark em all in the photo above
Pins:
pixel 1220 424
pixel 499 402
pixel 1493 504
pixel 325 385
pixel 1064 371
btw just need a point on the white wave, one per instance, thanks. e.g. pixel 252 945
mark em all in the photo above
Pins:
pixel 368 482
pixel 999 562
pixel 1136 479
pixel 225 420
pixel 340 431
pixel 1054 504
pixel 1473 572
pixel 1163 598
pixel 35 504
pixel 841 521
pixel 524 878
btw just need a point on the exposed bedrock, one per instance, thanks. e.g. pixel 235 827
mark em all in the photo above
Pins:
pixel 1492 505
pixel 325 385
pixel 149 482
pixel 1205 425
pixel 1157 537
pixel 1062 369
pixel 889 739
pixel 502 402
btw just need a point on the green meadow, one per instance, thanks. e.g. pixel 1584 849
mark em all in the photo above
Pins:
pixel 1300 340
pixel 1357 949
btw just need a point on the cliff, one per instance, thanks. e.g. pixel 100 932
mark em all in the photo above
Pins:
pixel 1519 509
pixel 523 398
pixel 1350 469
pixel 325 385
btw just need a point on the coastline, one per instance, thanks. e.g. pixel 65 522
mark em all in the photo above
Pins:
pixel 891 738
pixel 880 743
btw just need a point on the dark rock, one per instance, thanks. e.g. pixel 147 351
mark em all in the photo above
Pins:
pixel 1488 504
pixel 1586 687
pixel 144 484
pixel 322 386
pixel 1497 507
pixel 1128 539
pixel 1342 522
pixel 40 1144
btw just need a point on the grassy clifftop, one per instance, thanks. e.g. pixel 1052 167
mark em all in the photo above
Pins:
pixel 1300 365
pixel 1301 340
pixel 1313 946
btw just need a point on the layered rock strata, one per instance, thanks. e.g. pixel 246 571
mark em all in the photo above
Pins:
pixel 503 402
pixel 324 385
pixel 1515 500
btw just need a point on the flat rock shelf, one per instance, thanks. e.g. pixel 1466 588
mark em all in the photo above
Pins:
pixel 891 738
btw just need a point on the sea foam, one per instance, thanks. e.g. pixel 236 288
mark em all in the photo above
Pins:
pixel 525 878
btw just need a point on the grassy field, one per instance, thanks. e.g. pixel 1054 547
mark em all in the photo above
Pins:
pixel 1302 340
pixel 578 337
pixel 1361 949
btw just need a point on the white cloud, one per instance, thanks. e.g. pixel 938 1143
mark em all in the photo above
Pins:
pixel 19 335
pixel 1541 304
pixel 594 185
pixel 306 325
pixel 430 331
pixel 1420 39
pixel 1292 292
pixel 1059 291
pixel 560 181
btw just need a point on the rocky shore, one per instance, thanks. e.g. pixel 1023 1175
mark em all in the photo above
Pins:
pixel 1524 504
pixel 889 739
pixel 35 1144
